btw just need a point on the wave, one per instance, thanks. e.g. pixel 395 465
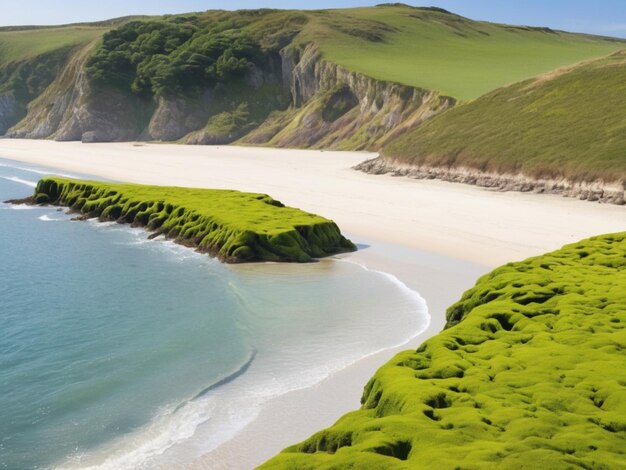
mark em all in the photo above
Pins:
pixel 47 218
pixel 39 172
pixel 32 184
pixel 413 294
pixel 170 427
pixel 229 378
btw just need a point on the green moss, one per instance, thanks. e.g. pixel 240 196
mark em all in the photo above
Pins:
pixel 231 225
pixel 529 373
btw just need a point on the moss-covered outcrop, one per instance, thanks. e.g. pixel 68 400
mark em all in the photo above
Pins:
pixel 231 225
pixel 529 373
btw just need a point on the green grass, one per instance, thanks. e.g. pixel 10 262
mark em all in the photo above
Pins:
pixel 230 225
pixel 569 123
pixel 26 44
pixel 444 52
pixel 530 373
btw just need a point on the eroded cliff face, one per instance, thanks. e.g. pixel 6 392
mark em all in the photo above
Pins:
pixel 600 191
pixel 70 109
pixel 294 99
pixel 336 108
pixel 7 111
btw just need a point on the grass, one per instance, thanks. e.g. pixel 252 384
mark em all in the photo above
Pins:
pixel 530 373
pixel 445 52
pixel 567 124
pixel 25 44
pixel 230 225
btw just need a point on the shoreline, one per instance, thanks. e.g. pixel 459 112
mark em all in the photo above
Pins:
pixel 435 237
pixel 292 417
pixel 465 222
pixel 594 191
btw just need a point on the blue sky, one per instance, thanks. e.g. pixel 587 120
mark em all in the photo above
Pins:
pixel 606 17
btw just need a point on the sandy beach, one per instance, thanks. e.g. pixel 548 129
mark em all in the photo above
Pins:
pixel 434 236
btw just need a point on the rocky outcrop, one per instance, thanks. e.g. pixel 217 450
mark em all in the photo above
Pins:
pixel 230 225
pixel 70 109
pixel 600 191
pixel 337 108
pixel 7 111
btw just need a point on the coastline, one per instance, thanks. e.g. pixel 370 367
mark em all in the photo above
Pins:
pixel 294 416
pixel 457 220
pixel 434 236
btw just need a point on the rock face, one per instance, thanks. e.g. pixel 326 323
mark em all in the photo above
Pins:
pixel 294 99
pixel 337 108
pixel 7 111
pixel 600 191
pixel 70 108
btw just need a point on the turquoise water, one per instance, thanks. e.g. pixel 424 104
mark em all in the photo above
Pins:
pixel 119 352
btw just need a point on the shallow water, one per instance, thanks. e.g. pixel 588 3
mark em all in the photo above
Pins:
pixel 120 352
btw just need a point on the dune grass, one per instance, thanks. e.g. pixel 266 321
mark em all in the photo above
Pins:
pixel 230 225
pixel 444 52
pixel 567 124
pixel 530 373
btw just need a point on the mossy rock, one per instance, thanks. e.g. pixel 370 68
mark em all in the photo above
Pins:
pixel 231 225
pixel 529 373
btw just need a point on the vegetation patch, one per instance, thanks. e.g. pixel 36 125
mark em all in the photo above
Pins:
pixel 529 373
pixel 437 50
pixel 569 124
pixel 231 225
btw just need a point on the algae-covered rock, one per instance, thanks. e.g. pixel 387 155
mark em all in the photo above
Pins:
pixel 530 373
pixel 231 225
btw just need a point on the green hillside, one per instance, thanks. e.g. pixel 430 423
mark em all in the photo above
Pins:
pixel 530 373
pixel 459 57
pixel 24 44
pixel 420 47
pixel 569 123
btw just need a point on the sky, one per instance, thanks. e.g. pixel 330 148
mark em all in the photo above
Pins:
pixel 603 17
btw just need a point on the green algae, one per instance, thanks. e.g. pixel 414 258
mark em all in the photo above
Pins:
pixel 231 225
pixel 529 373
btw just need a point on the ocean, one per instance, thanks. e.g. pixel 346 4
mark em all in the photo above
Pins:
pixel 121 352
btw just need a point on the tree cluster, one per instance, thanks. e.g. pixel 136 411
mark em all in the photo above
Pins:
pixel 176 56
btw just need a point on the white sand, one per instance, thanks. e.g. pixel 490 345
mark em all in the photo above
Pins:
pixel 465 222
pixel 447 234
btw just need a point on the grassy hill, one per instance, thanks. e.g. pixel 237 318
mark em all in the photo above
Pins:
pixel 530 373
pixel 456 56
pixel 569 123
pixel 24 44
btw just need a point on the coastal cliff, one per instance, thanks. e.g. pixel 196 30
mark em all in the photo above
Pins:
pixel 230 225
pixel 335 108
pixel 530 368
pixel 294 99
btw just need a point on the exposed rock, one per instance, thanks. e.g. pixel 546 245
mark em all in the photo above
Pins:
pixel 600 191
pixel 7 111
pixel 176 117
pixel 372 111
